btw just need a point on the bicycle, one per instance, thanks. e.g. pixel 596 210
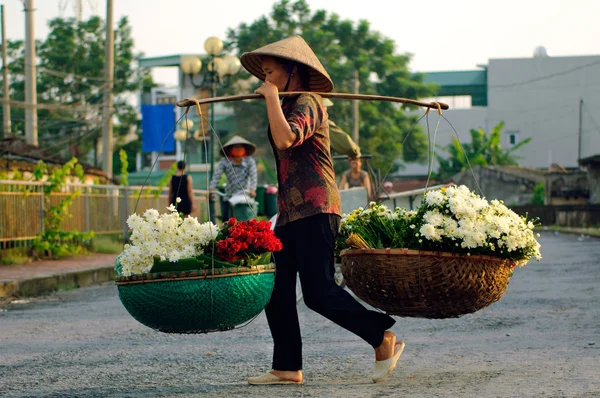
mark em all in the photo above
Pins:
pixel 240 205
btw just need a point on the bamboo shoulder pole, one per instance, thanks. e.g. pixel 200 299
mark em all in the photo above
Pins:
pixel 365 97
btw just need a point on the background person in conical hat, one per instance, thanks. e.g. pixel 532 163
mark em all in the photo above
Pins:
pixel 309 213
pixel 239 167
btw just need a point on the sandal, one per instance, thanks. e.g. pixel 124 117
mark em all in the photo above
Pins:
pixel 383 369
pixel 270 379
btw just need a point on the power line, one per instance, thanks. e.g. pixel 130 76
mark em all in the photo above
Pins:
pixel 60 73
pixel 537 79
pixel 26 105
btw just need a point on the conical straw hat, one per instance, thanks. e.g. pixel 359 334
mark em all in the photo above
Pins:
pixel 294 49
pixel 237 140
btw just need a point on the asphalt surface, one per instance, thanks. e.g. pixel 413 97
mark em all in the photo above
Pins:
pixel 542 339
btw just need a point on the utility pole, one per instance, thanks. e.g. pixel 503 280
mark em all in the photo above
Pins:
pixel 31 122
pixel 5 104
pixel 109 61
pixel 77 4
pixel 580 129
pixel 355 108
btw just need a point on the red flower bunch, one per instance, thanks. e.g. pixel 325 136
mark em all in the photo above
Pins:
pixel 242 239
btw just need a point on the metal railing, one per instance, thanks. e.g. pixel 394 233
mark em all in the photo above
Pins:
pixel 408 199
pixel 102 209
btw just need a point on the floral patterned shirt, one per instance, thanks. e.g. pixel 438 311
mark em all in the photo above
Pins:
pixel 305 170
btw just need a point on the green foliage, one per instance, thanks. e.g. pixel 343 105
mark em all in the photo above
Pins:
pixel 61 243
pixel 71 76
pixel 343 47
pixel 539 194
pixel 124 164
pixel 163 182
pixel 40 170
pixel 107 244
pixel 270 171
pixel 131 150
pixel 14 257
pixel 483 150
pixel 17 175
pixel 53 241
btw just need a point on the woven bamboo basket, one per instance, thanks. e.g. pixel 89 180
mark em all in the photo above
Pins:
pixel 413 283
pixel 198 301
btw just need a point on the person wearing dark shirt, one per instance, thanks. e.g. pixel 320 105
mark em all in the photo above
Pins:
pixel 181 187
pixel 309 213
pixel 356 177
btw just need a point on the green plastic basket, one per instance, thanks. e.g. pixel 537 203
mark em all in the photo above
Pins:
pixel 199 301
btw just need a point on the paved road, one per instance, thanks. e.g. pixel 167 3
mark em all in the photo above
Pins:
pixel 541 339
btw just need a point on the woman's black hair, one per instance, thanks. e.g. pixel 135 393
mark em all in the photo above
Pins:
pixel 181 165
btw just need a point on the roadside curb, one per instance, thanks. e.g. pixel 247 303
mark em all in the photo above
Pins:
pixel 572 231
pixel 69 280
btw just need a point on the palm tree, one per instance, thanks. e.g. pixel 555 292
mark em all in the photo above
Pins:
pixel 483 150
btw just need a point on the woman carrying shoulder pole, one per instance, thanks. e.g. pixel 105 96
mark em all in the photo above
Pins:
pixel 309 213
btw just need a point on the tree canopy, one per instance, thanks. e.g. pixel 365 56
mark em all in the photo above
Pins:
pixel 342 46
pixel 70 80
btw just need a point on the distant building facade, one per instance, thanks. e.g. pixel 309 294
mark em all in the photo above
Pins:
pixel 555 101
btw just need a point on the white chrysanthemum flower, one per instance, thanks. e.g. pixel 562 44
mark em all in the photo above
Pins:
pixel 134 221
pixel 430 232
pixel 455 214
pixel 175 255
pixel 433 217
pixel 450 227
pixel 435 198
pixel 165 236
pixel 151 214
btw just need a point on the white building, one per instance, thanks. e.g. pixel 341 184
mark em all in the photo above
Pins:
pixel 553 100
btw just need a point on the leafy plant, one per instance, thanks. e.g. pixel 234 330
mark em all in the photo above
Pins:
pixel 164 181
pixel 124 165
pixel 269 171
pixel 54 242
pixel 106 244
pixel 14 256
pixel 61 243
pixel 483 150
pixel 539 194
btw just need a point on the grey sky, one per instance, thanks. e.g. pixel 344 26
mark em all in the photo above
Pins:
pixel 442 34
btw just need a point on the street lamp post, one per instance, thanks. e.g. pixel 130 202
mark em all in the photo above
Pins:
pixel 220 69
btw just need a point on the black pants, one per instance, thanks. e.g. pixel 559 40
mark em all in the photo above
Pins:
pixel 308 248
pixel 225 210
